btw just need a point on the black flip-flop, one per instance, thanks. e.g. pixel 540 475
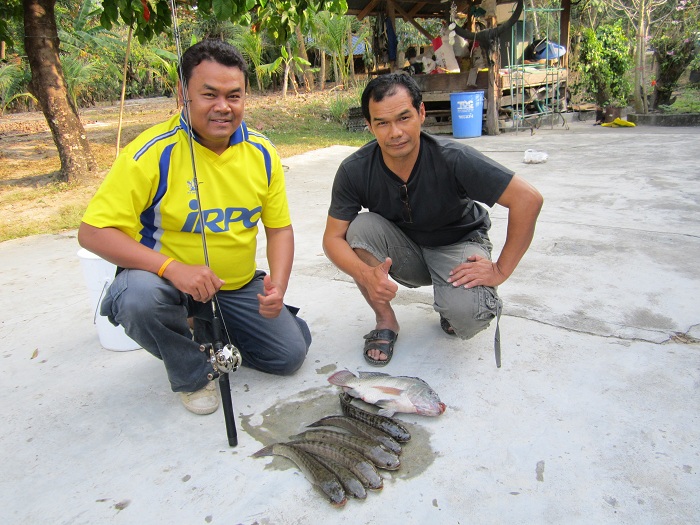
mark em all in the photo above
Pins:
pixel 382 340
pixel 446 326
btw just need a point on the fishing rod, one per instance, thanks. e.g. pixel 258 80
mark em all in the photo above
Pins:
pixel 224 358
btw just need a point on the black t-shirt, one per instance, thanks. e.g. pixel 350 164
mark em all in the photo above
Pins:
pixel 443 188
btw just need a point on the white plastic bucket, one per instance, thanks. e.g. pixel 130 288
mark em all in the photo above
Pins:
pixel 99 274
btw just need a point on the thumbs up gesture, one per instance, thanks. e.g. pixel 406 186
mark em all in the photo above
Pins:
pixel 378 285
pixel 271 300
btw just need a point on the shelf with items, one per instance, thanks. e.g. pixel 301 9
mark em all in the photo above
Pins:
pixel 534 82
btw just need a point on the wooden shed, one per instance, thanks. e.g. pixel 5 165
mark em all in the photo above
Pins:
pixel 517 88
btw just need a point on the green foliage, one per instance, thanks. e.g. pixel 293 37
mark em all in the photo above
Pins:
pixel 675 48
pixel 604 62
pixel 152 17
pixel 687 101
pixel 12 85
pixel 339 107
pixel 252 44
pixel 148 18
pixel 10 15
pixel 80 74
pixel 673 54
pixel 293 61
pixel 266 71
pixel 331 37
pixel 407 35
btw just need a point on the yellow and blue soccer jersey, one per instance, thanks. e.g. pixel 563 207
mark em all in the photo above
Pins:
pixel 150 195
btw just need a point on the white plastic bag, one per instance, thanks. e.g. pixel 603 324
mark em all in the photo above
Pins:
pixel 535 157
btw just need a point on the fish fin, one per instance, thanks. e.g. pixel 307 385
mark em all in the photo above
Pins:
pixel 352 392
pixel 417 379
pixel 366 375
pixel 391 390
pixel 267 451
pixel 323 422
pixel 341 378
pixel 388 412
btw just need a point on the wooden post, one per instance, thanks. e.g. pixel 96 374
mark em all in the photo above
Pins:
pixel 494 87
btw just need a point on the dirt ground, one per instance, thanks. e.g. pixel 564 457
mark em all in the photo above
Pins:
pixel 31 197
pixel 29 192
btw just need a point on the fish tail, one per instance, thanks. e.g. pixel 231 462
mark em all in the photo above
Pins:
pixel 341 378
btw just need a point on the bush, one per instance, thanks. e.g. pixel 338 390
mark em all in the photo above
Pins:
pixel 604 62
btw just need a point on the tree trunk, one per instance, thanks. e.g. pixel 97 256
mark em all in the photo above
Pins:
pixel 640 105
pixel 565 29
pixel 493 94
pixel 336 72
pixel 308 74
pixel 290 70
pixel 286 74
pixel 322 74
pixel 494 88
pixel 49 87
pixel 351 57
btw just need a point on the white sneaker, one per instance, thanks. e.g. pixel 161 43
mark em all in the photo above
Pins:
pixel 204 401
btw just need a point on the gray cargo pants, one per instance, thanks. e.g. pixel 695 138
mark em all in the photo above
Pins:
pixel 154 314
pixel 469 310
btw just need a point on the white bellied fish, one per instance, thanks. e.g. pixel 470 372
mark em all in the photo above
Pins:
pixel 390 393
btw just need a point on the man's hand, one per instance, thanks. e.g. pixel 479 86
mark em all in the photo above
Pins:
pixel 376 282
pixel 476 271
pixel 198 281
pixel 272 302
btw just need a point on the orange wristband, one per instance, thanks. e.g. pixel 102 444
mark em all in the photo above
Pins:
pixel 165 265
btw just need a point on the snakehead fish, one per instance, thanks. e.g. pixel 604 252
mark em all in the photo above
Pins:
pixel 391 393
pixel 362 467
pixel 314 471
pixel 347 479
pixel 376 453
pixel 360 428
pixel 386 424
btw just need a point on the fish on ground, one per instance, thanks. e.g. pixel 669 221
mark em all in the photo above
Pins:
pixel 347 479
pixel 360 428
pixel 314 471
pixel 386 424
pixel 390 393
pixel 376 453
pixel 362 467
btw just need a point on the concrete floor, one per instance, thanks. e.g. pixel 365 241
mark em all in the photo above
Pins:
pixel 593 417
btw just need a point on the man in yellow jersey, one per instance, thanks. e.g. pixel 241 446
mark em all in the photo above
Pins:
pixel 144 218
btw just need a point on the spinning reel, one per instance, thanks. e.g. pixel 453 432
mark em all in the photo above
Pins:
pixel 223 358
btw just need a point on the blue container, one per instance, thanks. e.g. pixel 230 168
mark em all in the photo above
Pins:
pixel 467 114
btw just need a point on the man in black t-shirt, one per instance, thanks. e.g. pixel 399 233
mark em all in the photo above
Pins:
pixel 424 224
